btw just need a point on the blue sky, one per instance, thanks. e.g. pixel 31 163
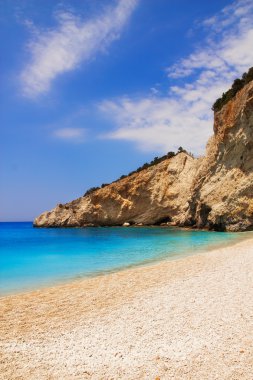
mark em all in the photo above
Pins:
pixel 92 89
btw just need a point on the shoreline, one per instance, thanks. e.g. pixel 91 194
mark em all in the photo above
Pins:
pixel 117 325
pixel 143 264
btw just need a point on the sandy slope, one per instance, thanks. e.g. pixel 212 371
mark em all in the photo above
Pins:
pixel 187 319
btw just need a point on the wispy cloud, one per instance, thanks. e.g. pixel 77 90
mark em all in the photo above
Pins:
pixel 71 134
pixel 184 117
pixel 157 124
pixel 74 41
pixel 228 45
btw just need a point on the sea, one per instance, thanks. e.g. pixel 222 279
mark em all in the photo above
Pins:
pixel 32 258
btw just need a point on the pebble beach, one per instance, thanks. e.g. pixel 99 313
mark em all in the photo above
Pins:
pixel 190 318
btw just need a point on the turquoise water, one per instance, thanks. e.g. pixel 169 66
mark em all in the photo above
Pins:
pixel 31 258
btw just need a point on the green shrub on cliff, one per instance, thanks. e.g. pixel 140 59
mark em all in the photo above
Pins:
pixel 155 161
pixel 236 86
pixel 91 190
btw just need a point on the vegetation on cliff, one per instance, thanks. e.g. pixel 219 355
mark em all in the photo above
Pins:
pixel 155 161
pixel 236 86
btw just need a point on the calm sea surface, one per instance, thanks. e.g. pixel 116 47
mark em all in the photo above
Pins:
pixel 31 258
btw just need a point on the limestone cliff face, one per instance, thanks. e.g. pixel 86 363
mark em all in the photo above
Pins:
pixel 213 192
pixel 148 197
pixel 222 193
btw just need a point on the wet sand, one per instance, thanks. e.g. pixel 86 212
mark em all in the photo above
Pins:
pixel 186 319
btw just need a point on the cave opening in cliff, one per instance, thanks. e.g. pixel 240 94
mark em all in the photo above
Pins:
pixel 166 219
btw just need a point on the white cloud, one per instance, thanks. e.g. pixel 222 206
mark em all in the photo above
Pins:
pixel 71 134
pixel 157 124
pixel 61 49
pixel 184 116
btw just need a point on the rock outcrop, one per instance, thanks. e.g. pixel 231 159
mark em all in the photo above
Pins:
pixel 222 192
pixel 151 196
pixel 214 192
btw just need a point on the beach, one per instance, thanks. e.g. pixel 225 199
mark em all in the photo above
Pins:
pixel 190 318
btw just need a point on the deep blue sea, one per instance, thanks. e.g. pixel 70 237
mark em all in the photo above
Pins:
pixel 31 258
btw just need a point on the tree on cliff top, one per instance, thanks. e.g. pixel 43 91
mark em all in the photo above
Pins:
pixel 236 86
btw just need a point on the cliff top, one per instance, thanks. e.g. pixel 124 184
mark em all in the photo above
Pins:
pixel 235 88
pixel 155 161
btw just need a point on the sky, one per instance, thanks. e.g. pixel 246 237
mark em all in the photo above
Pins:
pixel 92 89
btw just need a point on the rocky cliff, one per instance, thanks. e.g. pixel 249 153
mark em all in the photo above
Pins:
pixel 214 192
